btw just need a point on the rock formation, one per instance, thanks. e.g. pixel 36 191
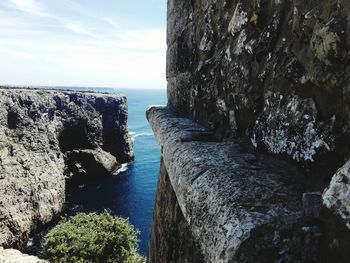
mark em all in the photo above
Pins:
pixel 15 256
pixel 253 85
pixel 46 137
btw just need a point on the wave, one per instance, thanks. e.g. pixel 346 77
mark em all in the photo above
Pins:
pixel 134 135
pixel 124 168
pixel 156 106
pixel 143 134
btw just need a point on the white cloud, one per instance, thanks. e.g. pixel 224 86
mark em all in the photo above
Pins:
pixel 112 22
pixel 143 39
pixel 78 28
pixel 131 39
pixel 8 21
pixel 29 6
pixel 41 51
pixel 121 69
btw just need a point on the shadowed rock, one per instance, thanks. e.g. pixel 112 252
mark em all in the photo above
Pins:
pixel 90 163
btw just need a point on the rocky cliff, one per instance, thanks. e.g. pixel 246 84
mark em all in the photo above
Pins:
pixel 47 137
pixel 253 85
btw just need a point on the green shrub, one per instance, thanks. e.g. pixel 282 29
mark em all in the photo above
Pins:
pixel 94 238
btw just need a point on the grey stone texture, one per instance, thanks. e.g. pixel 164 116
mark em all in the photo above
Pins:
pixel 272 76
pixel 275 72
pixel 39 131
pixel 337 195
pixel 237 206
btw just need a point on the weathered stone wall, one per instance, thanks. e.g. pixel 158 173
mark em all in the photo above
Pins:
pixel 275 72
pixel 273 75
pixel 40 131
pixel 234 205
pixel 171 239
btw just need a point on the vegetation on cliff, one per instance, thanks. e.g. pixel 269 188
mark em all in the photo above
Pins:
pixel 93 238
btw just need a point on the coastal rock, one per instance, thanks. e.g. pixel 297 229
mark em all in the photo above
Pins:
pixel 38 129
pixel 337 195
pixel 92 163
pixel 15 256
pixel 272 72
pixel 273 78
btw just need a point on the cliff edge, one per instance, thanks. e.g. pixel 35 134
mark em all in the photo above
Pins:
pixel 46 137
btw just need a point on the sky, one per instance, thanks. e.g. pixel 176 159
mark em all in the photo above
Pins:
pixel 86 43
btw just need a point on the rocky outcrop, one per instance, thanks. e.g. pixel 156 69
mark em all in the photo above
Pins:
pixel 15 256
pixel 43 134
pixel 271 77
pixel 89 164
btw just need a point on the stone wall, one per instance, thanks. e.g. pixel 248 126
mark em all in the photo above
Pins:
pixel 171 239
pixel 272 76
pixel 219 202
pixel 273 72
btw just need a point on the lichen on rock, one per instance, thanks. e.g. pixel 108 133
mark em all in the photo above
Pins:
pixel 288 125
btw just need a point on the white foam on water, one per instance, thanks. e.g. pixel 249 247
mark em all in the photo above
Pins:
pixel 143 134
pixel 156 106
pixel 124 168
pixel 134 135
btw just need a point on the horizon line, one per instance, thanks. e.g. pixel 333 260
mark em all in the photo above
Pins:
pixel 81 87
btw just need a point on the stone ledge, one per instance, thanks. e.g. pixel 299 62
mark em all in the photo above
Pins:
pixel 225 193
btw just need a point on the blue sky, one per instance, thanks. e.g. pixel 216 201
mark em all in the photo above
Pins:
pixel 96 43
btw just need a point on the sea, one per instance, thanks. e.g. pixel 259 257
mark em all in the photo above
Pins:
pixel 130 194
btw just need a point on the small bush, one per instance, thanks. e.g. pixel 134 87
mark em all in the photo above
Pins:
pixel 93 237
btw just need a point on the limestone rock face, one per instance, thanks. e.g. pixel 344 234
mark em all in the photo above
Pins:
pixel 15 256
pixel 39 131
pixel 273 72
pixel 272 76
pixel 92 163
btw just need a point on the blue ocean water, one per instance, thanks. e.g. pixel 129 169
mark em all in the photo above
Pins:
pixel 130 194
